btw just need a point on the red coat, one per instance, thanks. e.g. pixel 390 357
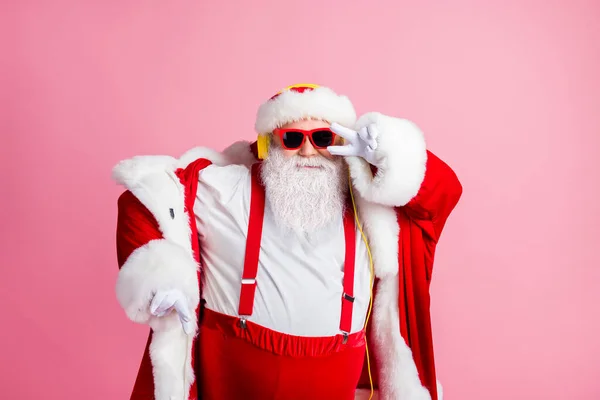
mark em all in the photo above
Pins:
pixel 405 205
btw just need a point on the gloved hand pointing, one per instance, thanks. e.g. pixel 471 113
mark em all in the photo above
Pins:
pixel 165 301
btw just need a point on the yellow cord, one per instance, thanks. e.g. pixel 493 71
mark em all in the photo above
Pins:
pixel 371 281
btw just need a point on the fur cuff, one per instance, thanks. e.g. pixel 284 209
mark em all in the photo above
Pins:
pixel 402 153
pixel 158 265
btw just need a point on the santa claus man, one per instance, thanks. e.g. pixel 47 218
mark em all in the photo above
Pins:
pixel 294 267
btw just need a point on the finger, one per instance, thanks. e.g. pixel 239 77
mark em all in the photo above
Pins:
pixel 373 131
pixel 158 298
pixel 342 150
pixel 184 316
pixel 364 134
pixel 373 134
pixel 183 310
pixel 188 327
pixel 167 303
pixel 165 307
pixel 344 132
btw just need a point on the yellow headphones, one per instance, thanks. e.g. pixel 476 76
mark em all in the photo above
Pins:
pixel 262 144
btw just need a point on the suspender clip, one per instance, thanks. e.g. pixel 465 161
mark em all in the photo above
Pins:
pixel 345 340
pixel 243 322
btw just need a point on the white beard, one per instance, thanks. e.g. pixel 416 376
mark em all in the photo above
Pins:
pixel 303 200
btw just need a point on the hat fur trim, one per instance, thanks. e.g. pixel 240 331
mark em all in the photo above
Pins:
pixel 290 106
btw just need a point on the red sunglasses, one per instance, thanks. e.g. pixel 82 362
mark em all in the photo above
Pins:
pixel 293 138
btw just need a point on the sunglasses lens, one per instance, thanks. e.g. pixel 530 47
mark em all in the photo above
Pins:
pixel 322 138
pixel 292 140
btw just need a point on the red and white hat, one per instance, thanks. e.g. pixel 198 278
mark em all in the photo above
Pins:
pixel 304 101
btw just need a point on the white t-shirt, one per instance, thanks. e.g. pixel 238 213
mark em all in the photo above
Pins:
pixel 299 283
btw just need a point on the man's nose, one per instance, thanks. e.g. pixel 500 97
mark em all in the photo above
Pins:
pixel 307 149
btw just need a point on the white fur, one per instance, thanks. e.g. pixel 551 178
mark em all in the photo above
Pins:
pixel 170 351
pixel 398 375
pixel 403 156
pixel 320 103
pixel 153 181
pixel 381 228
pixel 159 264
pixel 128 172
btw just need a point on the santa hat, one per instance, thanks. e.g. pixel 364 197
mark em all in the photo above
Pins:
pixel 297 102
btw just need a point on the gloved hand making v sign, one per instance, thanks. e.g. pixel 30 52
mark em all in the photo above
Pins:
pixel 361 144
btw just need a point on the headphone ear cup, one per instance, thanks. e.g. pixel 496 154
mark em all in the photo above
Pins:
pixel 262 144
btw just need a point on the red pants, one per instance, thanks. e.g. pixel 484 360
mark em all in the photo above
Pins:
pixel 258 363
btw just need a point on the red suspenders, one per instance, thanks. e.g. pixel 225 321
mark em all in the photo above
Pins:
pixel 255 224
pixel 348 294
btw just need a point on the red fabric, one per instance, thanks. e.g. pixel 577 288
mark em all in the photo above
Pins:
pixel 136 226
pixel 349 263
pixel 421 223
pixel 253 239
pixel 189 179
pixel 258 363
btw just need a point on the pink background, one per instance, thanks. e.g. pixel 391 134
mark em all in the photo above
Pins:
pixel 507 93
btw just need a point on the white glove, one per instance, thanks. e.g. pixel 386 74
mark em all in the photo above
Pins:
pixel 165 301
pixel 361 144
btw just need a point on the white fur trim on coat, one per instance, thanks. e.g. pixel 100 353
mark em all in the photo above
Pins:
pixel 170 351
pixel 398 374
pixel 158 265
pixel 381 228
pixel 402 156
pixel 319 103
